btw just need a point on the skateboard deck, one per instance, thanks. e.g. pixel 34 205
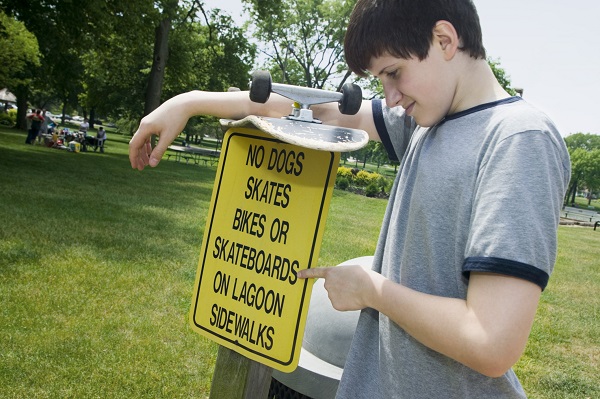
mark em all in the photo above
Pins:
pixel 305 134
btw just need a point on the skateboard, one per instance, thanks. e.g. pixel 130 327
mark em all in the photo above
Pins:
pixel 300 128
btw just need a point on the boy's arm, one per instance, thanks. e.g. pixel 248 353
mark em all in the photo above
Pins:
pixel 363 120
pixel 168 120
pixel 486 332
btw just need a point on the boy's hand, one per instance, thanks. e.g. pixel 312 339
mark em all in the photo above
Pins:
pixel 167 122
pixel 348 287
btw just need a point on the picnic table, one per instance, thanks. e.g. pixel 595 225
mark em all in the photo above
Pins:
pixel 580 214
pixel 195 154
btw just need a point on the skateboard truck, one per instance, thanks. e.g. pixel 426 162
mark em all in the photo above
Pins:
pixel 300 128
pixel 349 99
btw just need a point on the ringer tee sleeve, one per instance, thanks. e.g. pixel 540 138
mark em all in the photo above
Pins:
pixel 394 128
pixel 516 208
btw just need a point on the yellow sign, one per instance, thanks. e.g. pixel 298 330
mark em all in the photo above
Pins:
pixel 265 223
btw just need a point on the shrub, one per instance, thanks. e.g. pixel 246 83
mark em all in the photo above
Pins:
pixel 355 180
pixel 8 118
pixel 364 178
pixel 342 183
pixel 384 184
pixel 372 190
pixel 345 172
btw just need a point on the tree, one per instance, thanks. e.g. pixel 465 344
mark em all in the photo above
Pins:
pixel 75 35
pixel 19 57
pixel 592 179
pixel 584 150
pixel 161 54
pixel 18 51
pixel 303 39
pixel 118 63
pixel 587 142
pixel 207 52
pixel 501 76
pixel 60 43
pixel 99 54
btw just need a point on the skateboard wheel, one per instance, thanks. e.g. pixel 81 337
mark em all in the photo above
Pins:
pixel 351 99
pixel 260 90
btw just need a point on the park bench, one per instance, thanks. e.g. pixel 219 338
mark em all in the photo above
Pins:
pixel 577 213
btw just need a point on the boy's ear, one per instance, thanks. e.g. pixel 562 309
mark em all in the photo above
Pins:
pixel 446 38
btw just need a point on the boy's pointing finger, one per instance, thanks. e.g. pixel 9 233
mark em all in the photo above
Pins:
pixel 317 272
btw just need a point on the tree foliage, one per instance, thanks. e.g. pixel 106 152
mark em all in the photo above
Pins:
pixel 63 29
pixel 587 142
pixel 207 53
pixel 584 150
pixel 302 40
pixel 211 54
pixel 18 51
pixel 501 76
pixel 98 56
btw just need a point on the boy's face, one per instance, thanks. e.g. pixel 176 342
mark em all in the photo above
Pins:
pixel 423 88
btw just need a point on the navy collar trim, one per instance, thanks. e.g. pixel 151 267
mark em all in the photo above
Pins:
pixel 481 108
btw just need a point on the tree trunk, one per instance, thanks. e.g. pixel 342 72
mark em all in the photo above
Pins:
pixel 21 94
pixel 574 192
pixel 92 117
pixel 64 111
pixel 157 73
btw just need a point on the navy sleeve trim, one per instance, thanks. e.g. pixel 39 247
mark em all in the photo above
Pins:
pixel 506 267
pixel 384 135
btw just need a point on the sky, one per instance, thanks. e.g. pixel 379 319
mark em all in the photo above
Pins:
pixel 549 48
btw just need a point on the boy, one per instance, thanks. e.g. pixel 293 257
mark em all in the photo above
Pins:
pixel 449 304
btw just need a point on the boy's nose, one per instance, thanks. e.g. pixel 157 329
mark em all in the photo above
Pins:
pixel 392 96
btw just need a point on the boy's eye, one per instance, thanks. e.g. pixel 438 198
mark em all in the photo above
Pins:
pixel 392 74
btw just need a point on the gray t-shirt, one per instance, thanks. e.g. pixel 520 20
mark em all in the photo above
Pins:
pixel 479 191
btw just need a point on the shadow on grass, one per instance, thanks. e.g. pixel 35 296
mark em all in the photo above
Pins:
pixel 58 199
pixel 97 263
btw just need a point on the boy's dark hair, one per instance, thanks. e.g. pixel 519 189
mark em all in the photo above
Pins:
pixel 404 29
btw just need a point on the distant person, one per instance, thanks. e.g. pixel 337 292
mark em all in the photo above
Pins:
pixel 100 138
pixel 84 127
pixel 36 119
pixel 44 127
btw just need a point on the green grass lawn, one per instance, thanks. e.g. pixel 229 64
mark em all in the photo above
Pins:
pixel 586 204
pixel 97 266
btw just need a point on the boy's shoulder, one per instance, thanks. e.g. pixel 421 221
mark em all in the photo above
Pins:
pixel 507 119
pixel 521 116
pixel 512 114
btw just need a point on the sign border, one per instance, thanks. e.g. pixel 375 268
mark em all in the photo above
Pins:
pixel 207 232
